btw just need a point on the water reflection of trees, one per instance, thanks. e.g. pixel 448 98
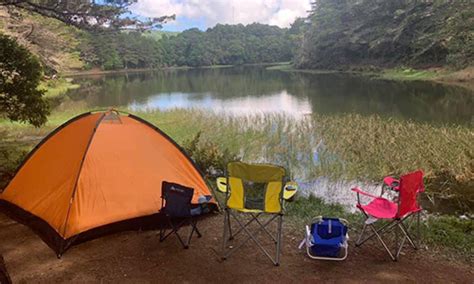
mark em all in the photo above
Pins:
pixel 328 93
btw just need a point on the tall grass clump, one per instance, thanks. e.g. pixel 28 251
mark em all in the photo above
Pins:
pixel 370 147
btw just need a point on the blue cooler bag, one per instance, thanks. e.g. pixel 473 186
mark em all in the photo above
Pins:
pixel 326 238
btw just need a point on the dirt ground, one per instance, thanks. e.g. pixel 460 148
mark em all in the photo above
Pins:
pixel 140 257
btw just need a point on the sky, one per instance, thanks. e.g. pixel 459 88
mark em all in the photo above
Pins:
pixel 204 14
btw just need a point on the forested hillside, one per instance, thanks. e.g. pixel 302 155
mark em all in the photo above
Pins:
pixel 221 45
pixel 387 33
pixel 228 44
pixel 64 48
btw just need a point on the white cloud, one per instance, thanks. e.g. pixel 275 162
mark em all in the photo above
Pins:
pixel 275 12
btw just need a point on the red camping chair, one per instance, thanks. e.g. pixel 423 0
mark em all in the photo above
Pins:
pixel 397 212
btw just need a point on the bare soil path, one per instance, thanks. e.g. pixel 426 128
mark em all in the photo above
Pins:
pixel 139 257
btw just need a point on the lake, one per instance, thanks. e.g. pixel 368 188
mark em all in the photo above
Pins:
pixel 250 90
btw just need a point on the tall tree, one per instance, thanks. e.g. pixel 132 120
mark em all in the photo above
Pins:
pixel 20 99
pixel 20 74
pixel 89 14
pixel 344 33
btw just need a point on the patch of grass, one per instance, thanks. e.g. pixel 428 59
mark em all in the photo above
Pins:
pixel 214 66
pixel 288 67
pixel 58 87
pixel 372 147
pixel 303 210
pixel 409 74
pixel 449 232
pixel 282 67
pixel 11 155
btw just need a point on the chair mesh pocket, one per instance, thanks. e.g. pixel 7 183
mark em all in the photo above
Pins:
pixel 254 195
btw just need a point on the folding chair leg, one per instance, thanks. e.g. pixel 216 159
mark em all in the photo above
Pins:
pixel 418 228
pixel 224 237
pixel 164 236
pixel 359 239
pixel 265 229
pixel 278 242
pixel 382 242
pixel 174 229
pixel 380 230
pixel 250 236
pixel 231 236
pixel 196 228
pixel 193 228
pixel 254 218
pixel 407 235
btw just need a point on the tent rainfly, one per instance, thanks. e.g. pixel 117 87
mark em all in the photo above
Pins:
pixel 95 174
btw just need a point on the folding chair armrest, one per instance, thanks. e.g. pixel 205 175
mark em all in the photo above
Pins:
pixel 290 190
pixel 222 184
pixel 388 180
pixel 359 191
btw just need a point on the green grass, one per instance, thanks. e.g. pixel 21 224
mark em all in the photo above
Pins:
pixel 450 232
pixel 289 67
pixel 214 66
pixel 281 67
pixel 408 74
pixel 399 74
pixel 57 87
pixel 303 210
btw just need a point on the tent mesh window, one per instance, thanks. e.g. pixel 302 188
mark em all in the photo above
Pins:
pixel 112 118
pixel 254 195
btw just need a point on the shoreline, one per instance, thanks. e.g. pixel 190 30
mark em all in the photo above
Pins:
pixel 96 71
pixel 462 78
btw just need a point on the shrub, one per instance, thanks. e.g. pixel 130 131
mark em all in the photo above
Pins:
pixel 210 159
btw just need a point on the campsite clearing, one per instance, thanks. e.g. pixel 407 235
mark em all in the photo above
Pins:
pixel 139 257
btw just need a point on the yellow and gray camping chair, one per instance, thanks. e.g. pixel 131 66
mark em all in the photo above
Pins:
pixel 254 190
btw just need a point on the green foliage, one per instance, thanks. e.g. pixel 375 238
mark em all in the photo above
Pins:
pixel 345 33
pixel 90 14
pixel 303 210
pixel 370 147
pixel 116 50
pixel 20 74
pixel 57 87
pixel 451 232
pixel 11 156
pixel 208 156
pixel 221 45
pixel 228 45
pixel 408 74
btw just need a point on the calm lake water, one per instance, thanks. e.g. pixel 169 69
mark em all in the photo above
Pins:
pixel 249 90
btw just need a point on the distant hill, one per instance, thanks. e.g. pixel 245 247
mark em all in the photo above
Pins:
pixel 62 48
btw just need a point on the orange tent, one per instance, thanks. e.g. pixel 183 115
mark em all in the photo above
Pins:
pixel 96 170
